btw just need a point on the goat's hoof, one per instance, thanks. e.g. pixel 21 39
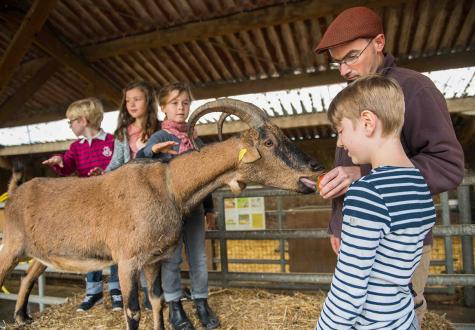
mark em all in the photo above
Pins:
pixel 22 318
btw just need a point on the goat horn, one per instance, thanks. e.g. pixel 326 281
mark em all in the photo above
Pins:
pixel 247 112
pixel 221 121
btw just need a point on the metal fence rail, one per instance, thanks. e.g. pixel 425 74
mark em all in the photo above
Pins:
pixel 295 280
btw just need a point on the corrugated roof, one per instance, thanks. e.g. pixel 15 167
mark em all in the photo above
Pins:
pixel 456 83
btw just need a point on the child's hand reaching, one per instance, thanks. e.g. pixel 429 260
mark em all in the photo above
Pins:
pixel 55 160
pixel 95 171
pixel 165 147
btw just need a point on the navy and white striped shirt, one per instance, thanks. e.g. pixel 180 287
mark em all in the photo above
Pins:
pixel 386 216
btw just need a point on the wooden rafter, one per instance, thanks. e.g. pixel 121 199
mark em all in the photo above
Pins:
pixel 256 19
pixel 32 23
pixel 16 101
pixel 48 42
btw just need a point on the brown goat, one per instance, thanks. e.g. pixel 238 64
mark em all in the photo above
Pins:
pixel 133 216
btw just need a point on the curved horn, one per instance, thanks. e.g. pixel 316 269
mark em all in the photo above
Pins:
pixel 247 112
pixel 221 121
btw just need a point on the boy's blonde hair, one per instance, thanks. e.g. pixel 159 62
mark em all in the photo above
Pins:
pixel 381 95
pixel 91 109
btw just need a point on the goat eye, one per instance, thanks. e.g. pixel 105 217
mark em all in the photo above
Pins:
pixel 268 143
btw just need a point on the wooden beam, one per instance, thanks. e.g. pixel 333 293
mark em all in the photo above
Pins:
pixel 291 81
pixel 303 120
pixel 15 102
pixel 38 148
pixel 463 105
pixel 47 41
pixel 269 16
pixel 21 42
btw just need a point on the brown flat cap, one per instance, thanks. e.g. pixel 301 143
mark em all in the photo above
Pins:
pixel 351 24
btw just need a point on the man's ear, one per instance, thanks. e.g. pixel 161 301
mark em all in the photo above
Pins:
pixel 380 41
pixel 369 121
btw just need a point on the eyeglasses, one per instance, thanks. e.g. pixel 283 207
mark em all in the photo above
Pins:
pixel 348 60
pixel 70 122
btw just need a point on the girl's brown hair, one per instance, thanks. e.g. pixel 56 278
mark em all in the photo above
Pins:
pixel 151 123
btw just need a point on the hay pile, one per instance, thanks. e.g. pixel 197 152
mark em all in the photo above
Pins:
pixel 237 309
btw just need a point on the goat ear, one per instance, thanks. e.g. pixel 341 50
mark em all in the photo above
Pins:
pixel 249 155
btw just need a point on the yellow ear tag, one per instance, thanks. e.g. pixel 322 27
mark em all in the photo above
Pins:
pixel 242 152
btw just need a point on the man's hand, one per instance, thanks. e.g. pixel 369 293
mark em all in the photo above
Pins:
pixel 165 147
pixel 335 242
pixel 336 182
pixel 210 221
pixel 55 160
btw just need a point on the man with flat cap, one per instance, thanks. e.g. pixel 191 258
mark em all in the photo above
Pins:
pixel 355 41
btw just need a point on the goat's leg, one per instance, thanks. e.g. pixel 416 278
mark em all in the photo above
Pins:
pixel 128 279
pixel 27 283
pixel 10 254
pixel 154 284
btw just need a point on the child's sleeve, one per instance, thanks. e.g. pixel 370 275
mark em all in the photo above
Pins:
pixel 118 158
pixel 69 162
pixel 156 137
pixel 365 219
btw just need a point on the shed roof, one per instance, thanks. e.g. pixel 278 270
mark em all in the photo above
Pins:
pixel 75 48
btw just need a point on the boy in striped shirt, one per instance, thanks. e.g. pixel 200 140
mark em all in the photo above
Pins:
pixel 386 214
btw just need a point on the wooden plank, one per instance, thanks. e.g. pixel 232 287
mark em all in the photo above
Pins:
pixel 263 52
pixel 230 60
pixel 406 28
pixel 467 29
pixel 199 53
pixel 278 52
pixel 15 102
pixel 451 28
pixel 244 55
pixel 464 105
pixel 437 29
pixel 392 25
pixel 305 50
pixel 290 46
pixel 251 48
pixel 186 53
pixel 257 19
pixel 23 38
pixel 422 28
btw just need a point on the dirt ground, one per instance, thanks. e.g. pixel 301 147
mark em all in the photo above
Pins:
pixel 237 309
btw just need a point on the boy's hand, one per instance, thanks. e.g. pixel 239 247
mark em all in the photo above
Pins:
pixel 165 147
pixel 55 160
pixel 95 171
pixel 335 243
pixel 336 182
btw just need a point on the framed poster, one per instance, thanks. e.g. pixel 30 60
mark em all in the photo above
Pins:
pixel 245 213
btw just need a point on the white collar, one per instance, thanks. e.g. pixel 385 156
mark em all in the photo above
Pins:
pixel 101 135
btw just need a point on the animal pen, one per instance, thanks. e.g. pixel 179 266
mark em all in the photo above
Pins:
pixel 265 258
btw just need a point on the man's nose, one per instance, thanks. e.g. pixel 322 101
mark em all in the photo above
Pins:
pixel 344 69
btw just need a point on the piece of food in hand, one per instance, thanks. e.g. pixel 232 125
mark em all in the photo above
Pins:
pixel 319 180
